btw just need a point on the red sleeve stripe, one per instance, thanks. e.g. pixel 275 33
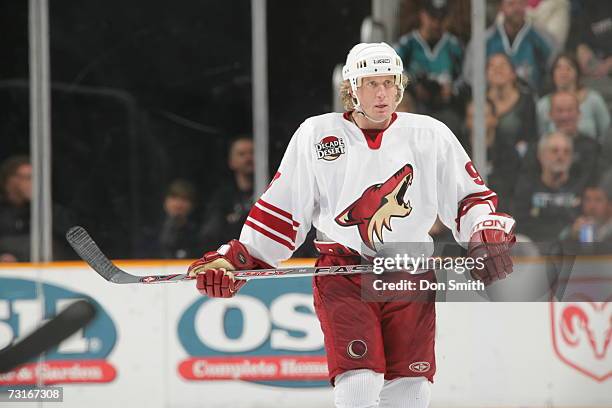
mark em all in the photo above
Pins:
pixel 283 226
pixel 290 221
pixel 485 197
pixel 270 234
pixel 278 211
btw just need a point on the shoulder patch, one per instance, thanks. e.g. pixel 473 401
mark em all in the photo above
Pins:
pixel 330 148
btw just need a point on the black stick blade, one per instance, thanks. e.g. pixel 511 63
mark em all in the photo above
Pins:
pixel 49 335
pixel 88 250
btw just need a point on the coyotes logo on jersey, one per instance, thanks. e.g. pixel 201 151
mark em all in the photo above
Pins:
pixel 377 205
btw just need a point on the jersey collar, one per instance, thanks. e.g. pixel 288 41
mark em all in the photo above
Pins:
pixel 373 137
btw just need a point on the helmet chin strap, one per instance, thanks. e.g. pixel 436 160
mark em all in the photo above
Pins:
pixel 362 112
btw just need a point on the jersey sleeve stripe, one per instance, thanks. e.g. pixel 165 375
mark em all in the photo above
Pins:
pixel 487 197
pixel 275 214
pixel 272 221
pixel 278 210
pixel 252 224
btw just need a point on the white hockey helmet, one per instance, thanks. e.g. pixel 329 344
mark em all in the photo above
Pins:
pixel 371 59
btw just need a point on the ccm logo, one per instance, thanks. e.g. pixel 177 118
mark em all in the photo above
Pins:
pixel 419 366
pixel 497 224
pixel 382 61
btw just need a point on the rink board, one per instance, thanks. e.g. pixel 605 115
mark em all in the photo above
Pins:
pixel 167 346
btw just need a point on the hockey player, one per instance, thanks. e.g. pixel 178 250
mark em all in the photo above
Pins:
pixel 364 178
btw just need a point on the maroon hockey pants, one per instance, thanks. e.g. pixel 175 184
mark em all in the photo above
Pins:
pixel 391 337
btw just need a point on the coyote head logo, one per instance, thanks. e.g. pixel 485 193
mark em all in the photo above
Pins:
pixel 377 205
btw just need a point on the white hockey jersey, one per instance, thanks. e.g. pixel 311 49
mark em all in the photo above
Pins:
pixel 364 192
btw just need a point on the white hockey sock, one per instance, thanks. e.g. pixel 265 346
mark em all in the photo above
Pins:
pixel 358 389
pixel 405 392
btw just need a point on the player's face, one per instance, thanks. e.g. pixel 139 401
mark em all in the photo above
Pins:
pixel 378 96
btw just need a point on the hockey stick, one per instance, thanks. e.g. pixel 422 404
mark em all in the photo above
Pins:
pixel 49 335
pixel 89 251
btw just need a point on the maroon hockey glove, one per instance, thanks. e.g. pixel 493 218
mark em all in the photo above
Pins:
pixel 492 237
pixel 213 270
pixel 218 283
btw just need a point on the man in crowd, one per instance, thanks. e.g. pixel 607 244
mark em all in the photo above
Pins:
pixel 594 34
pixel 530 50
pixel 433 57
pixel 545 205
pixel 565 114
pixel 16 194
pixel 15 198
pixel 594 224
pixel 229 206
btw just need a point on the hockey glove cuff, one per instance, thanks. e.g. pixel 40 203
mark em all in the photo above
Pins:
pixel 491 239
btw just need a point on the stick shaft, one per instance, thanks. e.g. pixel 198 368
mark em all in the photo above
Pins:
pixel 89 251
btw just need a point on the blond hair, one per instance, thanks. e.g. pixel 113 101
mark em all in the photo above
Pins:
pixel 346 93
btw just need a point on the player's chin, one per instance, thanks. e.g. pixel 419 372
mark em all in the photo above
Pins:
pixel 381 113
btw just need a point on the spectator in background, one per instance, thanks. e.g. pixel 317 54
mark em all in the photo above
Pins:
pixel 503 164
pixel 516 117
pixel 527 48
pixel 175 235
pixel 565 115
pixel 594 32
pixel 459 19
pixel 594 114
pixel 594 224
pixel 16 194
pixel 433 58
pixel 229 206
pixel 544 206
pixel 15 198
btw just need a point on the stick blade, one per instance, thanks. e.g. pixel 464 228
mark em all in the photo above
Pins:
pixel 52 333
pixel 88 250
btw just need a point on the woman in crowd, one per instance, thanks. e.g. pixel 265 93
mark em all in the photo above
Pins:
pixel 514 104
pixel 594 114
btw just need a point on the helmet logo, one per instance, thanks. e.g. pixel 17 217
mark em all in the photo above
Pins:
pixel 382 61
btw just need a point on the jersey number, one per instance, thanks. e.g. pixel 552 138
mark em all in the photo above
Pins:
pixel 471 170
